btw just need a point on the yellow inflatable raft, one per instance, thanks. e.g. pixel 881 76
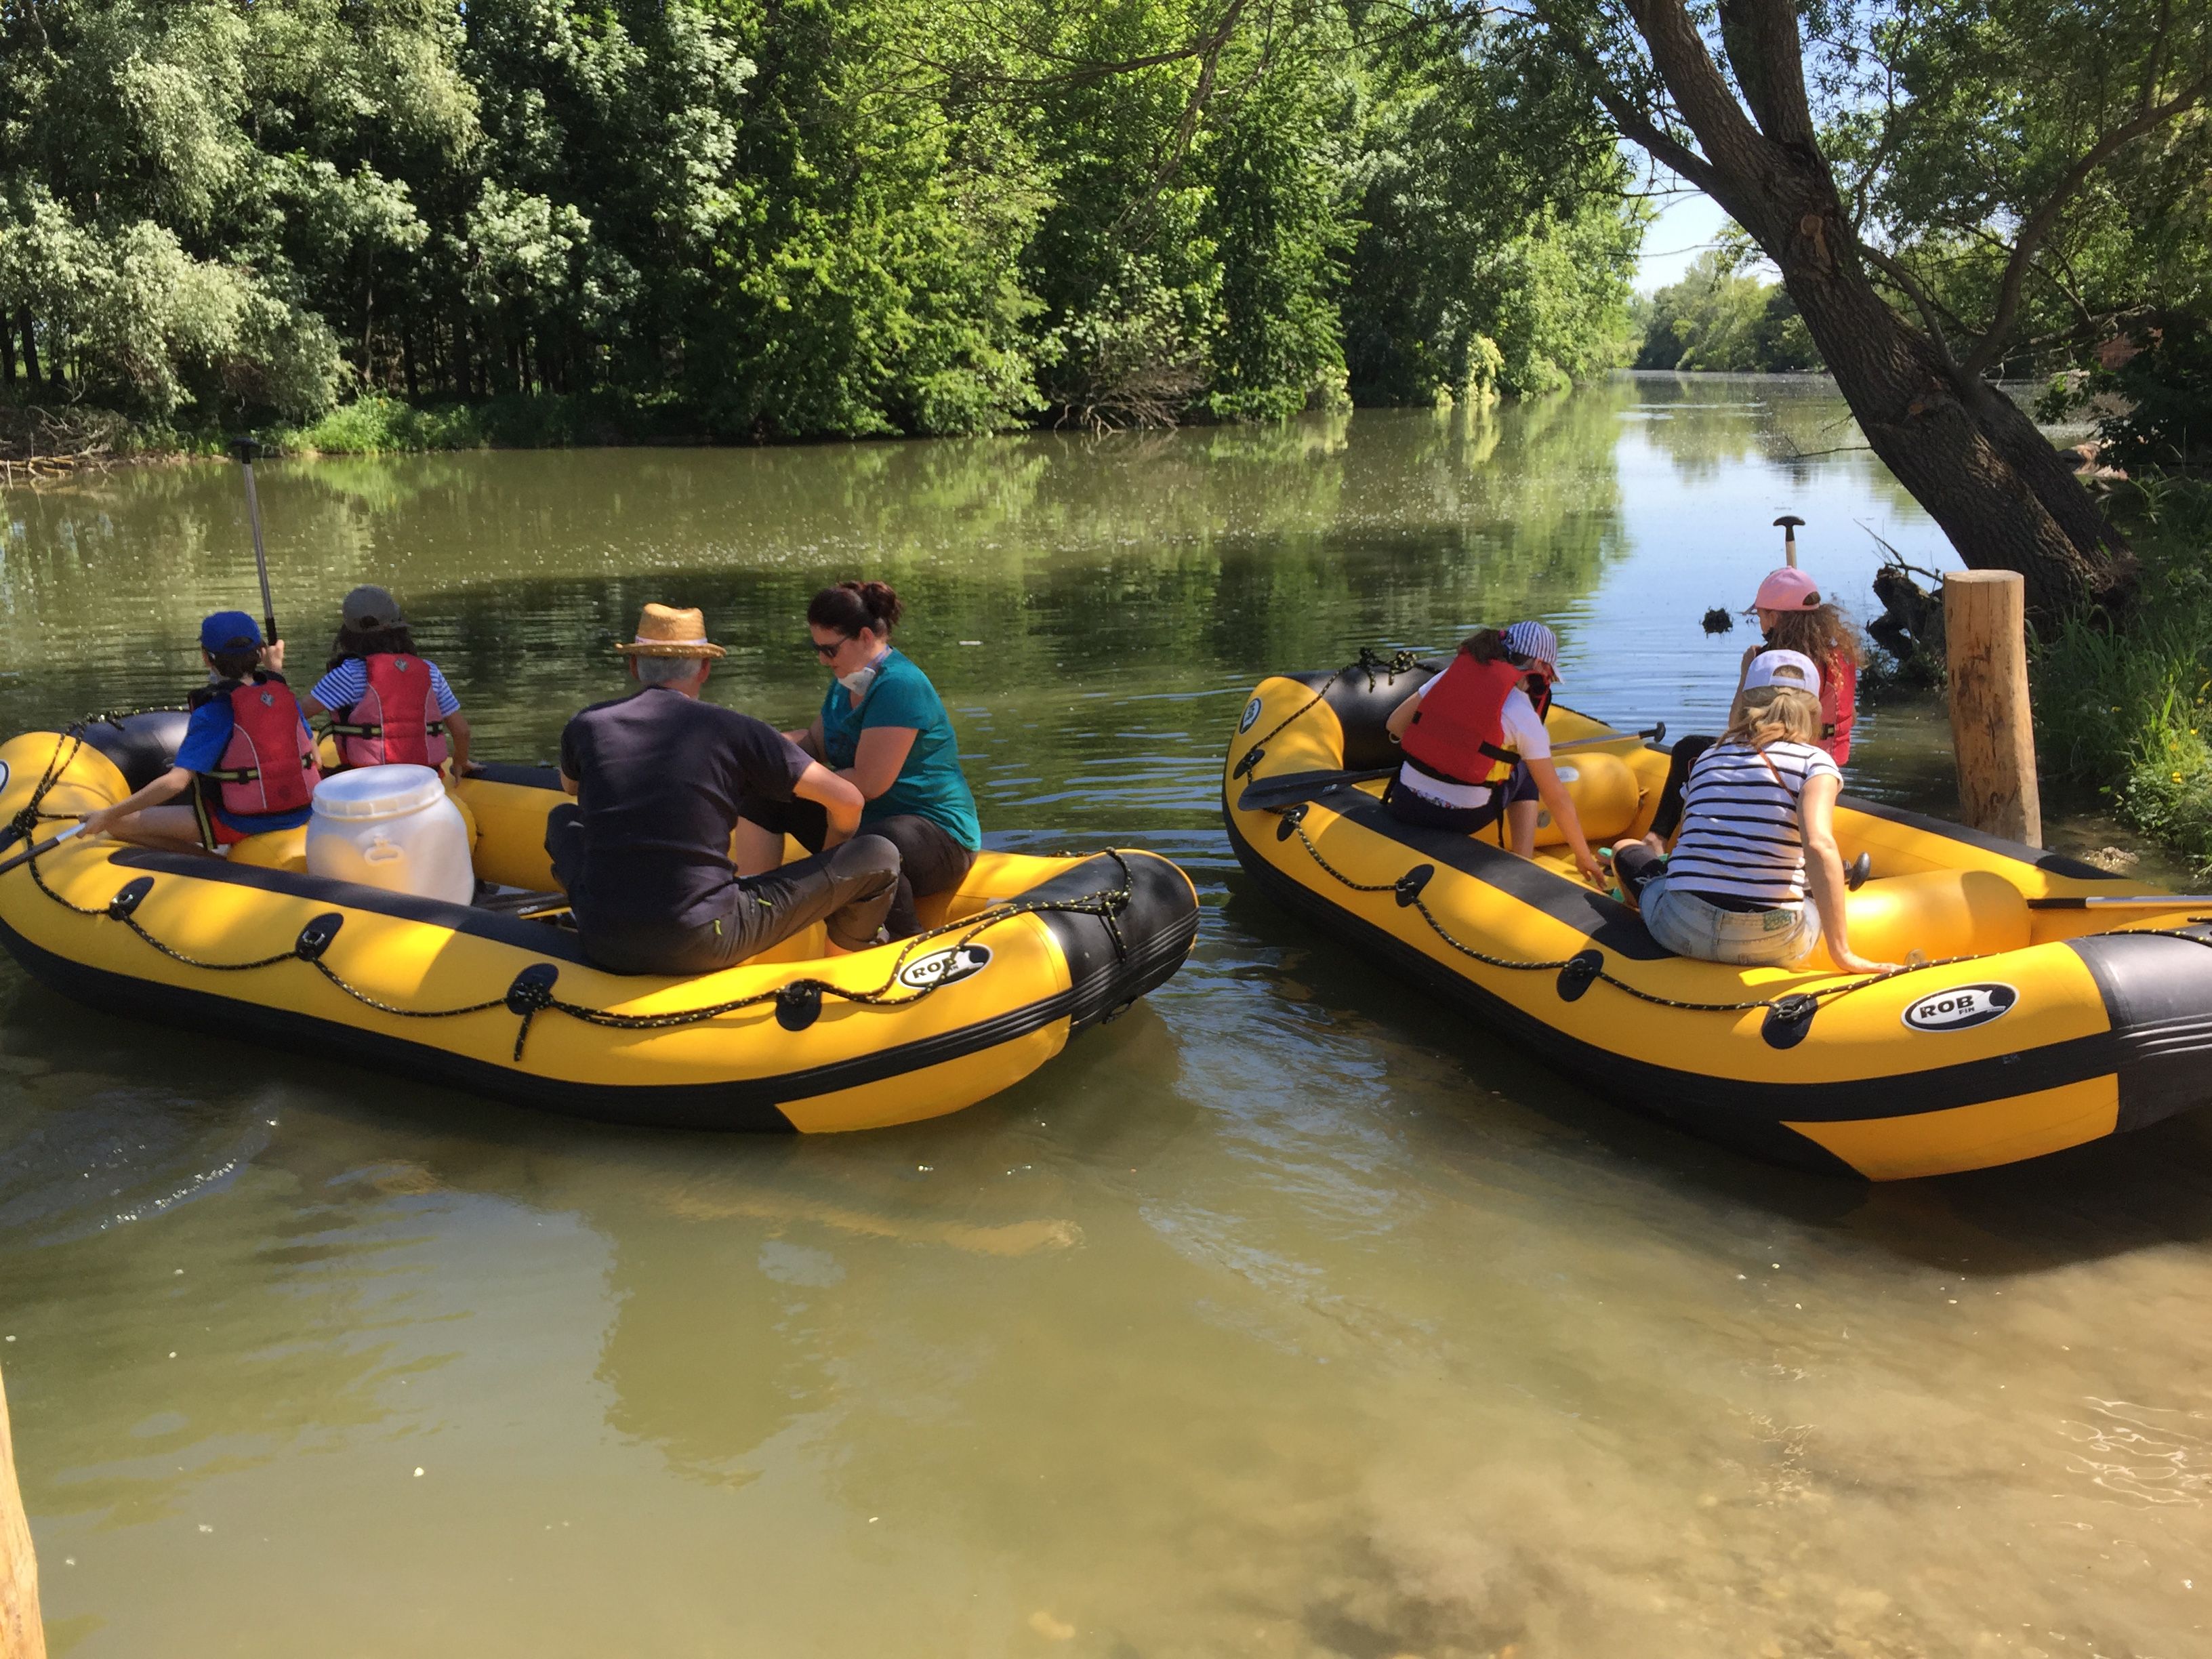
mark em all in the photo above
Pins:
pixel 498 997
pixel 2059 1003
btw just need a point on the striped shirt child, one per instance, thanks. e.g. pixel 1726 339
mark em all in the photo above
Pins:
pixel 1739 845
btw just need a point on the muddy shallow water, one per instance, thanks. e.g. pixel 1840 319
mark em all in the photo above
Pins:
pixel 1287 1316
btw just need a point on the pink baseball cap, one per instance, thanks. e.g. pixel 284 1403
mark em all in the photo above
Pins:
pixel 1788 589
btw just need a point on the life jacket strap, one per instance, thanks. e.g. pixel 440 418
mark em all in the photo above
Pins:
pixel 1506 756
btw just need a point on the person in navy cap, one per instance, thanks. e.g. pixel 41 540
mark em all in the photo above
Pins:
pixel 247 757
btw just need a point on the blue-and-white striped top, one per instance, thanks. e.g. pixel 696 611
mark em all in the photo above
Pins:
pixel 1741 838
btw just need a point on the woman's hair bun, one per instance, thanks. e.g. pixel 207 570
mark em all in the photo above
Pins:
pixel 850 606
pixel 882 602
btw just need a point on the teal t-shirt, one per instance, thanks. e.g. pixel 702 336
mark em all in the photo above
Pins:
pixel 931 784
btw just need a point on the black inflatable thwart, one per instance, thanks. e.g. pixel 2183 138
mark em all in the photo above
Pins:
pixel 1788 1019
pixel 1290 822
pixel 1409 886
pixel 1253 756
pixel 132 895
pixel 798 1004
pixel 1580 973
pixel 315 938
pixel 532 989
pixel 141 745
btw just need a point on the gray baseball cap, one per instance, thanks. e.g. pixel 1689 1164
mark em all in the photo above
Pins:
pixel 373 607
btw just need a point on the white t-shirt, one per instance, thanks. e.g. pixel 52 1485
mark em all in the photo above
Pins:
pixel 1524 734
pixel 1741 838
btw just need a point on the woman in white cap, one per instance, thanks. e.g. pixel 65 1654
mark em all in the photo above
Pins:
pixel 1757 836
pixel 1474 740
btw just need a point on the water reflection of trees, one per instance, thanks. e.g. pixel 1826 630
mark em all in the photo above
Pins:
pixel 1199 549
pixel 1708 424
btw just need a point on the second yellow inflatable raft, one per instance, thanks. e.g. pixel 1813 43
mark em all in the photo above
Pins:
pixel 2059 1003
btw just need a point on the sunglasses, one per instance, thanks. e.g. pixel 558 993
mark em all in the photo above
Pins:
pixel 826 651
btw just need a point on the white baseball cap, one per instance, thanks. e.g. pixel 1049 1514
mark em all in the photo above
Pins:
pixel 1792 669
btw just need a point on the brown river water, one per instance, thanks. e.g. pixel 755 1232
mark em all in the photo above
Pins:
pixel 1288 1315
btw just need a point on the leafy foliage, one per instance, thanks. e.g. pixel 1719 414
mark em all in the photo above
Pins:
pixel 789 217
pixel 1717 317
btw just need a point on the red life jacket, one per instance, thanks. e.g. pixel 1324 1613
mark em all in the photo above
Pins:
pixel 1458 733
pixel 269 764
pixel 1839 698
pixel 397 719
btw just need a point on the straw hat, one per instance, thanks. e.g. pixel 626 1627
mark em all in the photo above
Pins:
pixel 664 631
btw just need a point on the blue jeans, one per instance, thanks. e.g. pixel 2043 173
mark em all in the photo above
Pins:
pixel 1690 927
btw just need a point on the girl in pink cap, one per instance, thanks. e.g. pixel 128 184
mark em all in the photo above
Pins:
pixel 1794 618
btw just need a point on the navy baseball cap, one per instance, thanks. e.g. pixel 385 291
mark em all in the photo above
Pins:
pixel 230 630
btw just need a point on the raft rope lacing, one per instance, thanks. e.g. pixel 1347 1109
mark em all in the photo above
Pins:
pixel 530 994
pixel 1795 1004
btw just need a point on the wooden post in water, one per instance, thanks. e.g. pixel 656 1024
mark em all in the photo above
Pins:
pixel 1985 639
pixel 22 1634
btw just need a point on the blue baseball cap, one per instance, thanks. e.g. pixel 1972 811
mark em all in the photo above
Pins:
pixel 230 630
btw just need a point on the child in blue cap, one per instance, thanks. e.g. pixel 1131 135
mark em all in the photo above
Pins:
pixel 247 755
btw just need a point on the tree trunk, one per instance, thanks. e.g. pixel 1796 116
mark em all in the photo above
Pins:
pixel 30 350
pixel 1968 454
pixel 2006 499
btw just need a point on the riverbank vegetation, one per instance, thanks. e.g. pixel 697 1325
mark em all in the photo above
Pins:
pixel 818 217
pixel 2124 709
pixel 1719 318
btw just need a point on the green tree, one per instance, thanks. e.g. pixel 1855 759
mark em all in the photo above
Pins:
pixel 1840 134
pixel 1718 318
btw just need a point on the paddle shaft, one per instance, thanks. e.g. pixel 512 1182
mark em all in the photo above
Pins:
pixel 246 449
pixel 46 846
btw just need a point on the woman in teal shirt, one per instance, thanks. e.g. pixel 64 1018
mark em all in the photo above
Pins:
pixel 884 728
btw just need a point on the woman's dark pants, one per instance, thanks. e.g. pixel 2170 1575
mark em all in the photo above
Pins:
pixel 930 860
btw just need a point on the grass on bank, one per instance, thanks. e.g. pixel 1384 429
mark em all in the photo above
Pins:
pixel 2123 711
pixel 53 435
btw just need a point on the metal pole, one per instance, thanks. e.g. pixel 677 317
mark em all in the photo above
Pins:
pixel 247 450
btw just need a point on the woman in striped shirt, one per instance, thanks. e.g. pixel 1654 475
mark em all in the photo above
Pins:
pixel 1757 836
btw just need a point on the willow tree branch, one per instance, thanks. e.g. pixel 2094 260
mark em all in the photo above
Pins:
pixel 1922 302
pixel 1762 47
pixel 2045 219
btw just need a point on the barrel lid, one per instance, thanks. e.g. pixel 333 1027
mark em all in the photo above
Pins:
pixel 378 792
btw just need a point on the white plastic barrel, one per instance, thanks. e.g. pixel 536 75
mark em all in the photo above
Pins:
pixel 390 827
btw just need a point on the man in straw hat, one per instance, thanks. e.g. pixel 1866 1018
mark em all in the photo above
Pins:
pixel 661 779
